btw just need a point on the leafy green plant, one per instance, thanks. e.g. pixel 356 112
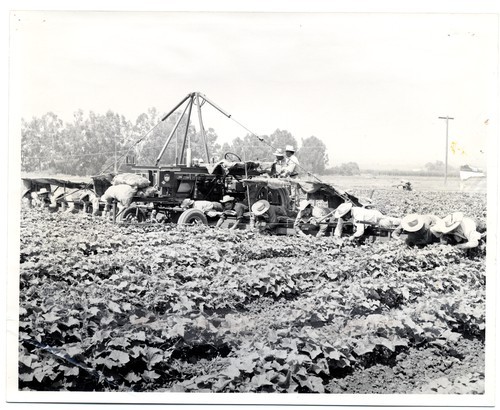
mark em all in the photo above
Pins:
pixel 180 308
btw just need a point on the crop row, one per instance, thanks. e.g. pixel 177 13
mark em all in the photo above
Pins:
pixel 110 307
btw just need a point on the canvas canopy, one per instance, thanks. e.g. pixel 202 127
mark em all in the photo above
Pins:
pixel 313 189
pixel 28 182
pixel 319 190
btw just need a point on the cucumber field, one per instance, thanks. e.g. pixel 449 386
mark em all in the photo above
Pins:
pixel 167 308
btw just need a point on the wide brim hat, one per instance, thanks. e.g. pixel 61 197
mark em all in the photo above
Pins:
pixel 226 198
pixel 450 222
pixel 304 204
pixel 343 209
pixel 260 207
pixel 412 223
pixel 364 201
pixel 279 153
pixel 289 148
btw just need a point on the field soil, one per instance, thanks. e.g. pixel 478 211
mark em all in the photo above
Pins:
pixel 420 370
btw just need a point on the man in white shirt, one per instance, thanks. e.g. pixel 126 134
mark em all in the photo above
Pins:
pixel 314 215
pixel 361 217
pixel 279 162
pixel 457 229
pixel 291 168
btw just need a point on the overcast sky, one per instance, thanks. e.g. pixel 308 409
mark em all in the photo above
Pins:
pixel 371 86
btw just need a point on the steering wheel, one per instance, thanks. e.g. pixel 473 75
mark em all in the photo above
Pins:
pixel 228 155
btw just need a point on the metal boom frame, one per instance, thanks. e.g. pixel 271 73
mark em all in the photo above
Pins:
pixel 194 98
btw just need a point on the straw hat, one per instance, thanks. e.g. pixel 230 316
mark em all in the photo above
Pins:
pixel 226 198
pixel 304 204
pixel 260 207
pixel 290 148
pixel 450 222
pixel 343 209
pixel 364 201
pixel 43 191
pixel 412 223
pixel 279 153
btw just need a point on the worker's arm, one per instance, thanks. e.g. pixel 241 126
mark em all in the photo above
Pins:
pixel 473 238
pixel 474 243
pixel 360 230
pixel 297 223
pixel 339 228
pixel 273 218
pixel 397 232
pixel 239 210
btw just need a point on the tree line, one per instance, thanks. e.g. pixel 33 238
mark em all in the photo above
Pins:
pixel 92 144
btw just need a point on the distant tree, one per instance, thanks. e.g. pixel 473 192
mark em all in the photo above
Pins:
pixel 152 134
pixel 41 142
pixel 435 166
pixel 248 148
pixel 219 153
pixel 313 156
pixel 253 148
pixel 349 168
pixel 103 142
pixel 280 139
pixel 157 133
pixel 82 147
pixel 198 147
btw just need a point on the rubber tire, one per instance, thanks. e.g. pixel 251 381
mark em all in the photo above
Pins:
pixel 282 193
pixel 129 213
pixel 192 216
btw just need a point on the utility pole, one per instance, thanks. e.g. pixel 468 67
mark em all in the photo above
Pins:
pixel 115 167
pixel 446 156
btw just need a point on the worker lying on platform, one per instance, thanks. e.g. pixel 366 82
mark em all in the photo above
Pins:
pixel 231 208
pixel 266 215
pixel 310 214
pixel 361 217
pixel 458 230
pixel 123 195
pixel 40 199
pixel 211 208
pixel 418 229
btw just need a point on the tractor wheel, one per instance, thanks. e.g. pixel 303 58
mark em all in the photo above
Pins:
pixel 279 196
pixel 192 217
pixel 131 215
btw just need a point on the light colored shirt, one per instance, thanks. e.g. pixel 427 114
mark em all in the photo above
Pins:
pixel 291 167
pixel 360 216
pixel 279 165
pixel 466 231
pixel 315 213
pixel 203 206
pixel 370 216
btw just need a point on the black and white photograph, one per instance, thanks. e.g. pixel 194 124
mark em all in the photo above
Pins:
pixel 234 206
